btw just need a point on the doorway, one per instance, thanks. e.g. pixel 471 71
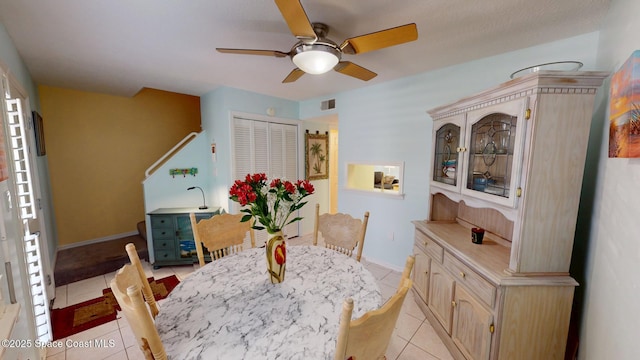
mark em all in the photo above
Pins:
pixel 327 189
pixel 333 170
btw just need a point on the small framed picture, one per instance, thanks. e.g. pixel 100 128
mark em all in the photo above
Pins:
pixel 624 110
pixel 316 156
pixel 38 127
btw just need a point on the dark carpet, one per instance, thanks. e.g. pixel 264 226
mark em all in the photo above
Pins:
pixel 101 258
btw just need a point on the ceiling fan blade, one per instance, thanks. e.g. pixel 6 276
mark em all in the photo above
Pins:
pixel 253 52
pixel 357 71
pixel 293 76
pixel 381 39
pixel 295 16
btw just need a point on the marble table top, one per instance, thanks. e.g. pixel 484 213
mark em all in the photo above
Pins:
pixel 229 309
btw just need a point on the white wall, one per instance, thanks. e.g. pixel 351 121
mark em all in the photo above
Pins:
pixel 11 60
pixel 388 123
pixel 612 286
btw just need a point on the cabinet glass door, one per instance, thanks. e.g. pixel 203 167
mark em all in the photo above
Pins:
pixel 494 147
pixel 491 154
pixel 184 234
pixel 447 160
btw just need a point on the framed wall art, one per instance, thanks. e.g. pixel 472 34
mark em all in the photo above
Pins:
pixel 38 127
pixel 624 110
pixel 316 162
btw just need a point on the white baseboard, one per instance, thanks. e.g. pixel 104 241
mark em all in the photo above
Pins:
pixel 99 240
pixel 383 264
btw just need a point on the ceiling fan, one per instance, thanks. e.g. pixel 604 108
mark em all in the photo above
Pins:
pixel 314 53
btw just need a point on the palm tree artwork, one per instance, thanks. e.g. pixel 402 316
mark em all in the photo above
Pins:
pixel 316 156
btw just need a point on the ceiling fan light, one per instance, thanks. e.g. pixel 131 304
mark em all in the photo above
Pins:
pixel 316 59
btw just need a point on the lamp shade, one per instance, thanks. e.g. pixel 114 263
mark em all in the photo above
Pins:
pixel 316 58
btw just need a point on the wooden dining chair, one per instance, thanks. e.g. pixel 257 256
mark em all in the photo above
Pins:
pixel 222 235
pixel 146 288
pixel 341 232
pixel 368 336
pixel 127 290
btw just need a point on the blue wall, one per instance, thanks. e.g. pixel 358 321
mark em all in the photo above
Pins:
pixel 388 122
pixel 216 108
pixel 385 123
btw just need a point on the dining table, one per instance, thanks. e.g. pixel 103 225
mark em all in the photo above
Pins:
pixel 229 309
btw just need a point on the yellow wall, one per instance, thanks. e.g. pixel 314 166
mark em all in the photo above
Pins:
pixel 98 147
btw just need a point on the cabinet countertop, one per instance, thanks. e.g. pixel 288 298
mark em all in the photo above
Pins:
pixel 184 210
pixel 489 257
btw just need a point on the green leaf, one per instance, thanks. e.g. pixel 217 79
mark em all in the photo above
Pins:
pixel 294 220
pixel 246 218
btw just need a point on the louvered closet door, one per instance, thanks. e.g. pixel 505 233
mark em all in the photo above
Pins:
pixel 264 147
pixel 250 150
pixel 284 160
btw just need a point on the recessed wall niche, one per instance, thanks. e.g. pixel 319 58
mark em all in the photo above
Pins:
pixel 377 178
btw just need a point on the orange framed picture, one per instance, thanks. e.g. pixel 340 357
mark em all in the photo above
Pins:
pixel 624 110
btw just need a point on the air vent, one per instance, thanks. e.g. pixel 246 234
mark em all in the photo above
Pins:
pixel 328 104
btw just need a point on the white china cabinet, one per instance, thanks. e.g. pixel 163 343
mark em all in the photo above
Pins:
pixel 509 160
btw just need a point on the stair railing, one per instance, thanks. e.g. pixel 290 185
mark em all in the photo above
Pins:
pixel 168 154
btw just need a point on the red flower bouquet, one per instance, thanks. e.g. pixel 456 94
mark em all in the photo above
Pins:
pixel 270 204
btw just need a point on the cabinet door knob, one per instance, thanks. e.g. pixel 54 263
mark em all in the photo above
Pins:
pixel 426 243
pixel 462 274
pixel 453 304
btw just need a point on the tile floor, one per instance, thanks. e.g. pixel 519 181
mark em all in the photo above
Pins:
pixel 414 338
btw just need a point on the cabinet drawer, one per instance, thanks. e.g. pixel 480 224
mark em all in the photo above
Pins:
pixel 429 246
pixel 160 244
pixel 465 275
pixel 165 255
pixel 161 221
pixel 159 234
